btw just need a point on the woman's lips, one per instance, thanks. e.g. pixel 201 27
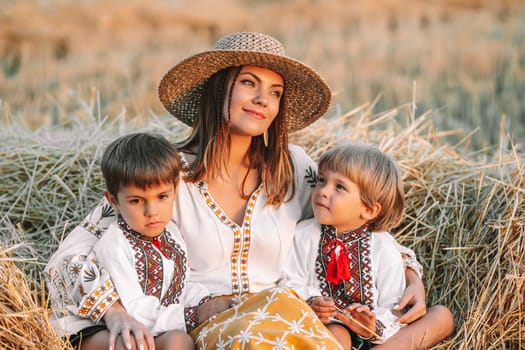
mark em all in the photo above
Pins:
pixel 258 115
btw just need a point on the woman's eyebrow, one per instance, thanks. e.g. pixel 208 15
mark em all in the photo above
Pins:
pixel 256 77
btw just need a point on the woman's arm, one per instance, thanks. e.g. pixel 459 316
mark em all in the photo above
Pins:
pixel 299 270
pixel 119 322
pixel 414 298
pixel 76 284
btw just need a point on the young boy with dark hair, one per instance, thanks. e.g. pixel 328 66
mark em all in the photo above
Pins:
pixel 142 252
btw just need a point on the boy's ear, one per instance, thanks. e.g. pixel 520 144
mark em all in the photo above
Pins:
pixel 371 212
pixel 111 199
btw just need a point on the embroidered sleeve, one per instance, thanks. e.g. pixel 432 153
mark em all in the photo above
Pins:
pixel 76 284
pixel 99 219
pixel 96 304
pixel 299 270
pixel 190 314
pixel 79 287
pixel 191 319
pixel 410 260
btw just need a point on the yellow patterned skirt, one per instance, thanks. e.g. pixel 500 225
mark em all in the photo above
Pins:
pixel 276 318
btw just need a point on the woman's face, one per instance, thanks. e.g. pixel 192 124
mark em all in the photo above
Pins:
pixel 254 102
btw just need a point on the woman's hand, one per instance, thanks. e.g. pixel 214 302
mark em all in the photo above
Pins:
pixel 212 307
pixel 324 308
pixel 360 319
pixel 413 297
pixel 118 321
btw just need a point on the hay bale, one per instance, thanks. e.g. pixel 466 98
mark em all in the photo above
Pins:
pixel 24 321
pixel 465 211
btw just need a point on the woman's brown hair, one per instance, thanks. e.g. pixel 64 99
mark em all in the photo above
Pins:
pixel 210 142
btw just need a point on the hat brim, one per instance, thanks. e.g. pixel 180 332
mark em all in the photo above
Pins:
pixel 306 98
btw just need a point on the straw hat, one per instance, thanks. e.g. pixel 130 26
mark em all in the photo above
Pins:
pixel 306 96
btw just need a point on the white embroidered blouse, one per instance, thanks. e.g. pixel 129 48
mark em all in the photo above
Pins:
pixel 232 259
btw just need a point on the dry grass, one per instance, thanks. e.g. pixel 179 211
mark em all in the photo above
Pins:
pixel 465 214
pixel 23 317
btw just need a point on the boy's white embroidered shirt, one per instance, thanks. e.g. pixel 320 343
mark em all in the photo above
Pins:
pixel 388 271
pixel 115 254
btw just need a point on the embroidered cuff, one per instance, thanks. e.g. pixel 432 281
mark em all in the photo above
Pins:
pixel 96 305
pixel 190 314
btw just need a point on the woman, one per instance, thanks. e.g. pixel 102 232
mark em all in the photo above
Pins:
pixel 243 192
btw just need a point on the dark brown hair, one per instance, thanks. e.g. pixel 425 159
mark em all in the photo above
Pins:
pixel 211 143
pixel 141 160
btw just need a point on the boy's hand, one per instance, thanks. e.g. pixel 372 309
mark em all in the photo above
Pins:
pixel 324 308
pixel 360 319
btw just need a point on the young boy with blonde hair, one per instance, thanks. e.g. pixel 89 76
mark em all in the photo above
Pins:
pixel 344 262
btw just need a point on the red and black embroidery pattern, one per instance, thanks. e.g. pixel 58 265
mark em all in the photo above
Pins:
pixel 148 263
pixel 358 288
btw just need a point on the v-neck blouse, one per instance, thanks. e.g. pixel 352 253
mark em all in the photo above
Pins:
pixel 232 259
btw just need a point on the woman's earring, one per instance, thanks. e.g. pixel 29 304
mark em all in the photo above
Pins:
pixel 265 138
